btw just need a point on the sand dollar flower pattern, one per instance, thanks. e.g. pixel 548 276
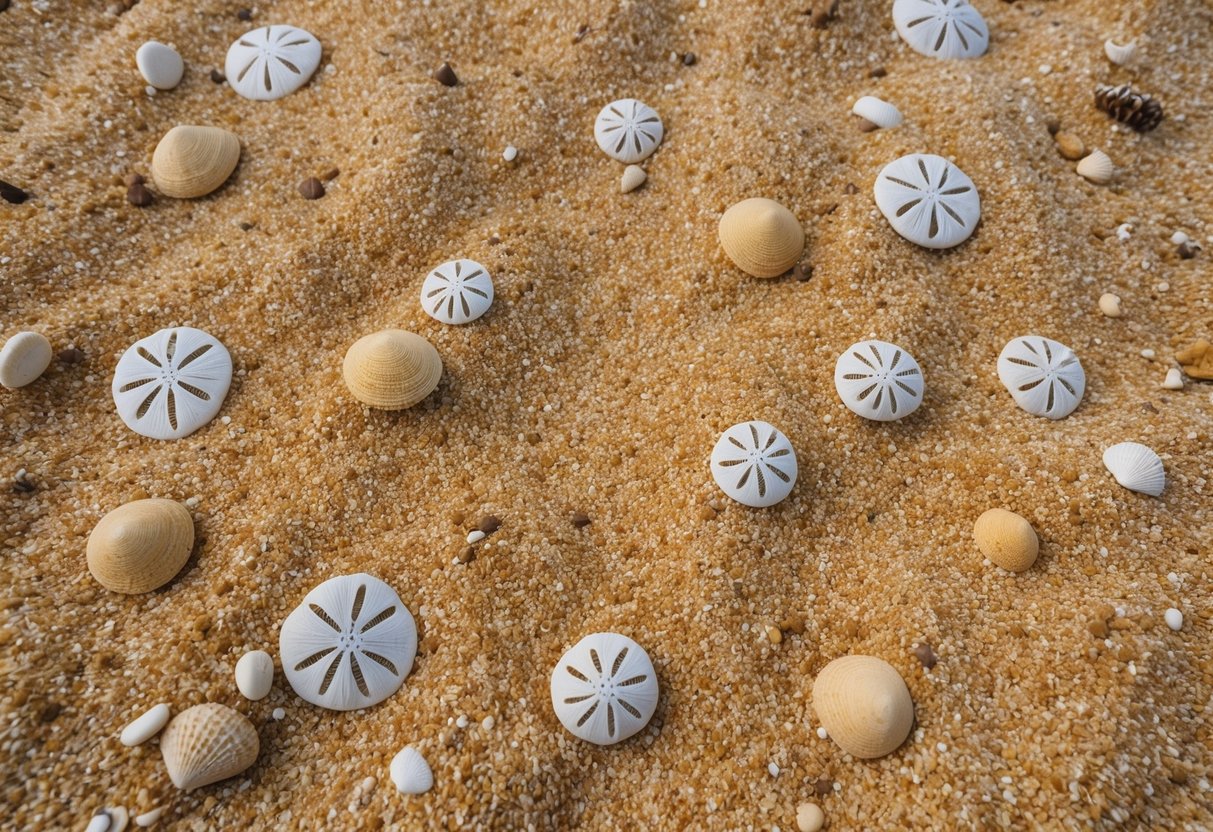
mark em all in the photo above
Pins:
pixel 753 462
pixel 457 292
pixel 942 28
pixel 878 381
pixel 271 61
pixel 628 131
pixel 1044 377
pixel 604 689
pixel 928 200
pixel 169 384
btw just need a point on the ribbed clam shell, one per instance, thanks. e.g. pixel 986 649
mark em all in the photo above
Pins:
pixel 1044 377
pixel 928 200
pixel 391 369
pixel 761 237
pixel 881 113
pixel 941 28
pixel 193 161
pixel 754 463
pixel 878 381
pixel 269 62
pixel 604 688
pixel 864 705
pixel 410 772
pixel 206 744
pixel 457 292
pixel 1136 467
pixel 1118 54
pixel 628 130
pixel 140 546
pixel 1096 167
pixel 1007 539
pixel 23 359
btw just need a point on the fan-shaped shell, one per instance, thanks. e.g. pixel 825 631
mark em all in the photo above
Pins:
pixel 628 131
pixel 457 292
pixel 761 236
pixel 208 743
pixel 1044 377
pixel 864 705
pixel 1118 54
pixel 410 772
pixel 1006 539
pixel 754 463
pixel 881 113
pixel 1136 467
pixel 349 644
pixel 942 28
pixel 24 359
pixel 1096 167
pixel 269 62
pixel 604 689
pixel 878 381
pixel 928 200
pixel 193 161
pixel 255 675
pixel 140 546
pixel 391 369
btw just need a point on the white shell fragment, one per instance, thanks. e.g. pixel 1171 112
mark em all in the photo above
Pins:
pixel 628 131
pixel 928 200
pixel 255 674
pixel 150 817
pixel 145 726
pixel 604 689
pixel 880 113
pixel 1044 377
pixel 270 62
pixel 941 28
pixel 878 381
pixel 410 772
pixel 109 819
pixel 633 177
pixel 1096 168
pixel 171 383
pixel 159 65
pixel 1174 619
pixel 23 359
pixel 1174 379
pixel 1118 54
pixel 349 644
pixel 754 463
pixel 1136 467
pixel 457 292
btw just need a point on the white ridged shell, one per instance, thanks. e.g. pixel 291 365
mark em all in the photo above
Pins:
pixel 928 200
pixel 628 131
pixel 171 383
pixel 208 743
pixel 1118 54
pixel 942 28
pixel 457 292
pixel 145 726
pixel 269 62
pixel 24 359
pixel 878 381
pixel 604 689
pixel 754 463
pixel 1096 167
pixel 1136 467
pixel 255 675
pixel 410 772
pixel 349 628
pixel 881 113
pixel 1044 377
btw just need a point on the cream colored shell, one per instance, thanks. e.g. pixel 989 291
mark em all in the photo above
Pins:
pixel 391 369
pixel 1006 539
pixel 193 161
pixel 762 237
pixel 1117 53
pixel 206 744
pixel 23 359
pixel 1096 168
pixel 140 546
pixel 864 705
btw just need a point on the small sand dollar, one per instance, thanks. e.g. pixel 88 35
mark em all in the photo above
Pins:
pixel 1044 377
pixel 878 380
pixel 628 131
pixel 753 462
pixel 270 62
pixel 391 369
pixel 762 237
pixel 457 292
pixel 864 705
pixel 942 28
pixel 604 689
pixel 170 384
pixel 928 200
pixel 1007 539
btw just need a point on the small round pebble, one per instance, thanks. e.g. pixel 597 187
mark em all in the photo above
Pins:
pixel 311 188
pixel 1109 304
pixel 809 817
pixel 510 153
pixel 23 359
pixel 1174 379
pixel 159 65
pixel 279 714
pixel 1179 238
pixel 823 734
pixel 1174 619
pixel 475 536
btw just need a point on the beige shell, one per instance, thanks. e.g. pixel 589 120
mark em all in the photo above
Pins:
pixel 140 546
pixel 23 359
pixel 193 161
pixel 1006 539
pixel 864 705
pixel 1117 53
pixel 762 237
pixel 206 744
pixel 391 369
pixel 1096 167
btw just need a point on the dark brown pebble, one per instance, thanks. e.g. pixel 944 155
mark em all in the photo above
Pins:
pixel 824 786
pixel 134 179
pixel 488 523
pixel 1147 406
pixel 1187 250
pixel 580 520
pixel 23 486
pixel 11 193
pixel 245 14
pixel 332 174
pixel 1052 124
pixel 246 226
pixel 445 75
pixel 925 655
pixel 466 555
pixel 878 72
pixel 494 240
pixel 217 76
pixel 51 711
pixel 4 5
pixel 822 12
pixel 138 195
pixel 71 355
pixel 851 189
pixel 311 188
pixel 689 59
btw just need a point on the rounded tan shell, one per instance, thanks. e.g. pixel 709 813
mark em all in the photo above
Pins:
pixel 206 744
pixel 762 237
pixel 864 705
pixel 140 546
pixel 391 369
pixel 1006 539
pixel 193 161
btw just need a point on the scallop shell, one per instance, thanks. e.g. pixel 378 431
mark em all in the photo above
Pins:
pixel 1007 539
pixel 1136 467
pixel 878 381
pixel 255 675
pixel 206 744
pixel 1117 54
pixel 457 292
pixel 193 161
pixel 349 644
pixel 754 463
pixel 24 359
pixel 928 200
pixel 145 726
pixel 270 62
pixel 941 28
pixel 391 369
pixel 763 238
pixel 410 772
pixel 604 689
pixel 864 705
pixel 628 131
pixel 1096 167
pixel 880 113
pixel 140 546
pixel 1044 377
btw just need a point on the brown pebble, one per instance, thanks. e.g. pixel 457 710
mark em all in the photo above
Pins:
pixel 878 72
pixel 71 355
pixel 466 555
pixel 331 174
pixel 445 75
pixel 851 189
pixel 1070 146
pixel 245 14
pixel 824 786
pixel 580 520
pixel 1069 475
pixel 133 179
pixel 689 59
pixel 50 712
pixel 494 240
pixel 822 12
pixel 582 31
pixel 217 76
pixel 488 523
pixel 925 654
pixel 1052 125
pixel 246 226
pixel 4 5
pixel 1187 249
pixel 138 195
pixel 311 188
pixel 801 272
pixel 794 624
pixel 11 193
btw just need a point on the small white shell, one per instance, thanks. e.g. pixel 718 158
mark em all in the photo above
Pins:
pixel 159 65
pixel 941 28
pixel 145 726
pixel 1136 467
pixel 1174 619
pixel 754 463
pixel 1096 167
pixel 269 62
pixel 410 772
pixel 604 689
pixel 880 113
pixel 148 818
pixel 1174 379
pixel 633 177
pixel 878 381
pixel 928 200
pixel 24 359
pixel 628 131
pixel 1044 377
pixel 1117 54
pixel 255 674
pixel 109 819
pixel 171 383
pixel 457 292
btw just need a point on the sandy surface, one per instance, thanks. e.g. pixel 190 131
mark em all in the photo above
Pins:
pixel 621 343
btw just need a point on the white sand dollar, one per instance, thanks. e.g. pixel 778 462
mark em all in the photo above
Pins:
pixel 928 200
pixel 1136 467
pixel 942 28
pixel 1044 377
pixel 628 131
pixel 457 292
pixel 159 65
pixel 270 62
pixel 171 383
pixel 878 381
pixel 753 462
pixel 604 689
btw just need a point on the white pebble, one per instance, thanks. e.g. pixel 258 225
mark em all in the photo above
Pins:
pixel 1174 379
pixel 809 817
pixel 773 769
pixel 145 726
pixel 159 65
pixel 1124 231
pixel 255 674
pixel 148 818
pixel 1179 238
pixel 510 153
pixel 279 714
pixel 1109 304
pixel 1147 353
pixel 1174 618
pixel 488 723
pixel 99 822
pixel 462 721
pixel 475 536
pixel 821 733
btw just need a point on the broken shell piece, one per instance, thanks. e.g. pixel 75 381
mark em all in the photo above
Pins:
pixel 391 369
pixel 753 462
pixel 763 238
pixel 270 62
pixel 633 177
pixel 193 161
pixel 255 674
pixel 604 689
pixel 941 28
pixel 864 705
pixel 1174 380
pixel 109 819
pixel 140 546
pixel 1007 539
pixel 928 200
pixel 628 131
pixel 878 381
pixel 1136 467
pixel 1096 167
pixel 208 743
pixel 410 772
pixel 1117 54
pixel 145 726
pixel 880 113
pixel 457 292
pixel 1045 378
pixel 150 817
pixel 159 65
pixel 24 359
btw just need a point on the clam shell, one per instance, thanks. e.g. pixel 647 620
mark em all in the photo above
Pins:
pixel 928 200
pixel 1006 539
pixel 1136 467
pixel 255 674
pixel 1118 54
pixel 391 369
pixel 880 113
pixel 762 237
pixel 604 688
pixel 270 62
pixel 23 359
pixel 145 726
pixel 941 28
pixel 864 705
pixel 878 381
pixel 140 546
pixel 457 292
pixel 193 161
pixel 1044 377
pixel 1096 167
pixel 159 65
pixel 208 743
pixel 754 463
pixel 410 772
pixel 628 130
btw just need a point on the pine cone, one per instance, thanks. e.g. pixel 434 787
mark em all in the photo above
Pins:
pixel 1139 111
